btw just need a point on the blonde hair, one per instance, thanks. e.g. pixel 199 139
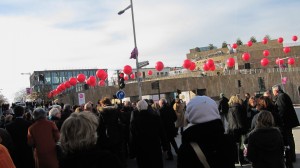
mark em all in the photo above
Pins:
pixel 234 100
pixel 78 132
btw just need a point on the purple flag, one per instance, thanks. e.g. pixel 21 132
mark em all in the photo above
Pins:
pixel 134 53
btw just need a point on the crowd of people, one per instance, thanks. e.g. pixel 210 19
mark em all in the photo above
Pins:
pixel 216 134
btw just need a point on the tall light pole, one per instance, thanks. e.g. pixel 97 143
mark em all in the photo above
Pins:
pixel 135 47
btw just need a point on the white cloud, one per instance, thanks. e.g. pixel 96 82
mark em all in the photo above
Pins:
pixel 87 34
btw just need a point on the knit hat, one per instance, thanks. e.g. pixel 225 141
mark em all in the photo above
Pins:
pixel 201 109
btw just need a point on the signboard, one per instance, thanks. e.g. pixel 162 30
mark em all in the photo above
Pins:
pixel 155 85
pixel 81 98
pixel 120 94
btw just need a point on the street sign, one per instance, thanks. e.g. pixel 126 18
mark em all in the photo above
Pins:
pixel 142 64
pixel 120 94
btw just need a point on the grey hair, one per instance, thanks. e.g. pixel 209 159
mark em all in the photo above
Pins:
pixel 57 106
pixel 142 105
pixel 39 113
pixel 54 111
pixel 78 132
pixel 276 87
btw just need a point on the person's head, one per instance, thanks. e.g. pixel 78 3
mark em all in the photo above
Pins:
pixel 201 109
pixel 39 113
pixel 221 95
pixel 56 106
pixel 234 99
pixel 88 107
pixel 276 89
pixel 265 119
pixel 263 103
pixel 78 109
pixel 177 101
pixel 162 102
pixel 252 101
pixel 19 111
pixel 127 103
pixel 105 101
pixel 268 94
pixel 247 95
pixel 54 112
pixel 155 106
pixel 151 102
pixel 67 107
pixel 79 132
pixel 142 105
pixel 8 118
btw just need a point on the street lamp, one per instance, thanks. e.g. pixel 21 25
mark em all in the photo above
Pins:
pixel 135 47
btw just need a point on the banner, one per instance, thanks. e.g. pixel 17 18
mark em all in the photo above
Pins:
pixel 81 98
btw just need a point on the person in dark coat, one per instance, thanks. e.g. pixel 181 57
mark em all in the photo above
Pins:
pixel 147 136
pixel 265 143
pixel 18 130
pixel 206 129
pixel 168 117
pixel 223 105
pixel 289 117
pixel 78 144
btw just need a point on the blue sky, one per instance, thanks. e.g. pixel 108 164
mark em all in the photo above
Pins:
pixel 63 34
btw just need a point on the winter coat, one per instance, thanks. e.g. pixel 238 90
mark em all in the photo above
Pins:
pixel 286 110
pixel 168 118
pixel 217 147
pixel 236 121
pixel 265 148
pixel 18 130
pixel 5 159
pixel 92 158
pixel 43 136
pixel 223 106
pixel 179 110
pixel 147 137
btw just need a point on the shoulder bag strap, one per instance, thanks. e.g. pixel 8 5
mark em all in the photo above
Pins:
pixel 200 154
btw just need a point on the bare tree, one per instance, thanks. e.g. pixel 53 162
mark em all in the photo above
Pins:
pixel 3 99
pixel 268 37
pixel 224 44
pixel 211 46
pixel 20 96
pixel 253 39
pixel 239 42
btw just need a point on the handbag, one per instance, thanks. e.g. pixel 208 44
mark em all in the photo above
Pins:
pixel 200 154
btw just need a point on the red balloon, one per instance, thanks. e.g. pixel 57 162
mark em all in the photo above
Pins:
pixel 265 41
pixel 286 49
pixel 126 77
pixel 264 62
pixel 210 63
pixel 101 83
pixel 249 44
pixel 246 56
pixel 187 63
pixel 205 67
pixel 291 61
pixel 279 61
pixel 266 53
pixel 127 69
pixel 294 38
pixel 92 79
pixel 67 84
pixel 132 76
pixel 81 78
pixel 49 95
pixel 159 66
pixel 234 45
pixel 121 75
pixel 88 82
pixel 230 62
pixel 62 85
pixel 100 73
pixel 193 66
pixel 280 40
pixel 150 72
pixel 73 81
pixel 212 68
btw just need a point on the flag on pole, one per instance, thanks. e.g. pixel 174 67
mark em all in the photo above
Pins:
pixel 134 53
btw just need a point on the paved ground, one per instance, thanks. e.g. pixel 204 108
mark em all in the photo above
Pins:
pixel 172 164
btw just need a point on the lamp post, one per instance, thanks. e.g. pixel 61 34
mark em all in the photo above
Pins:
pixel 135 47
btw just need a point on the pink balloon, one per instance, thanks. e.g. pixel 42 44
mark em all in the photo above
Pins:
pixel 291 61
pixel 205 67
pixel 264 62
pixel 265 41
pixel 210 63
pixel 101 83
pixel 249 44
pixel 286 49
pixel 280 40
pixel 266 53
pixel 186 64
pixel 159 66
pixel 279 61
pixel 73 81
pixel 246 56
pixel 193 66
pixel 150 72
pixel 234 45
pixel 127 69
pixel 230 62
pixel 132 76
pixel 294 38
pixel 81 78
pixel 126 77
